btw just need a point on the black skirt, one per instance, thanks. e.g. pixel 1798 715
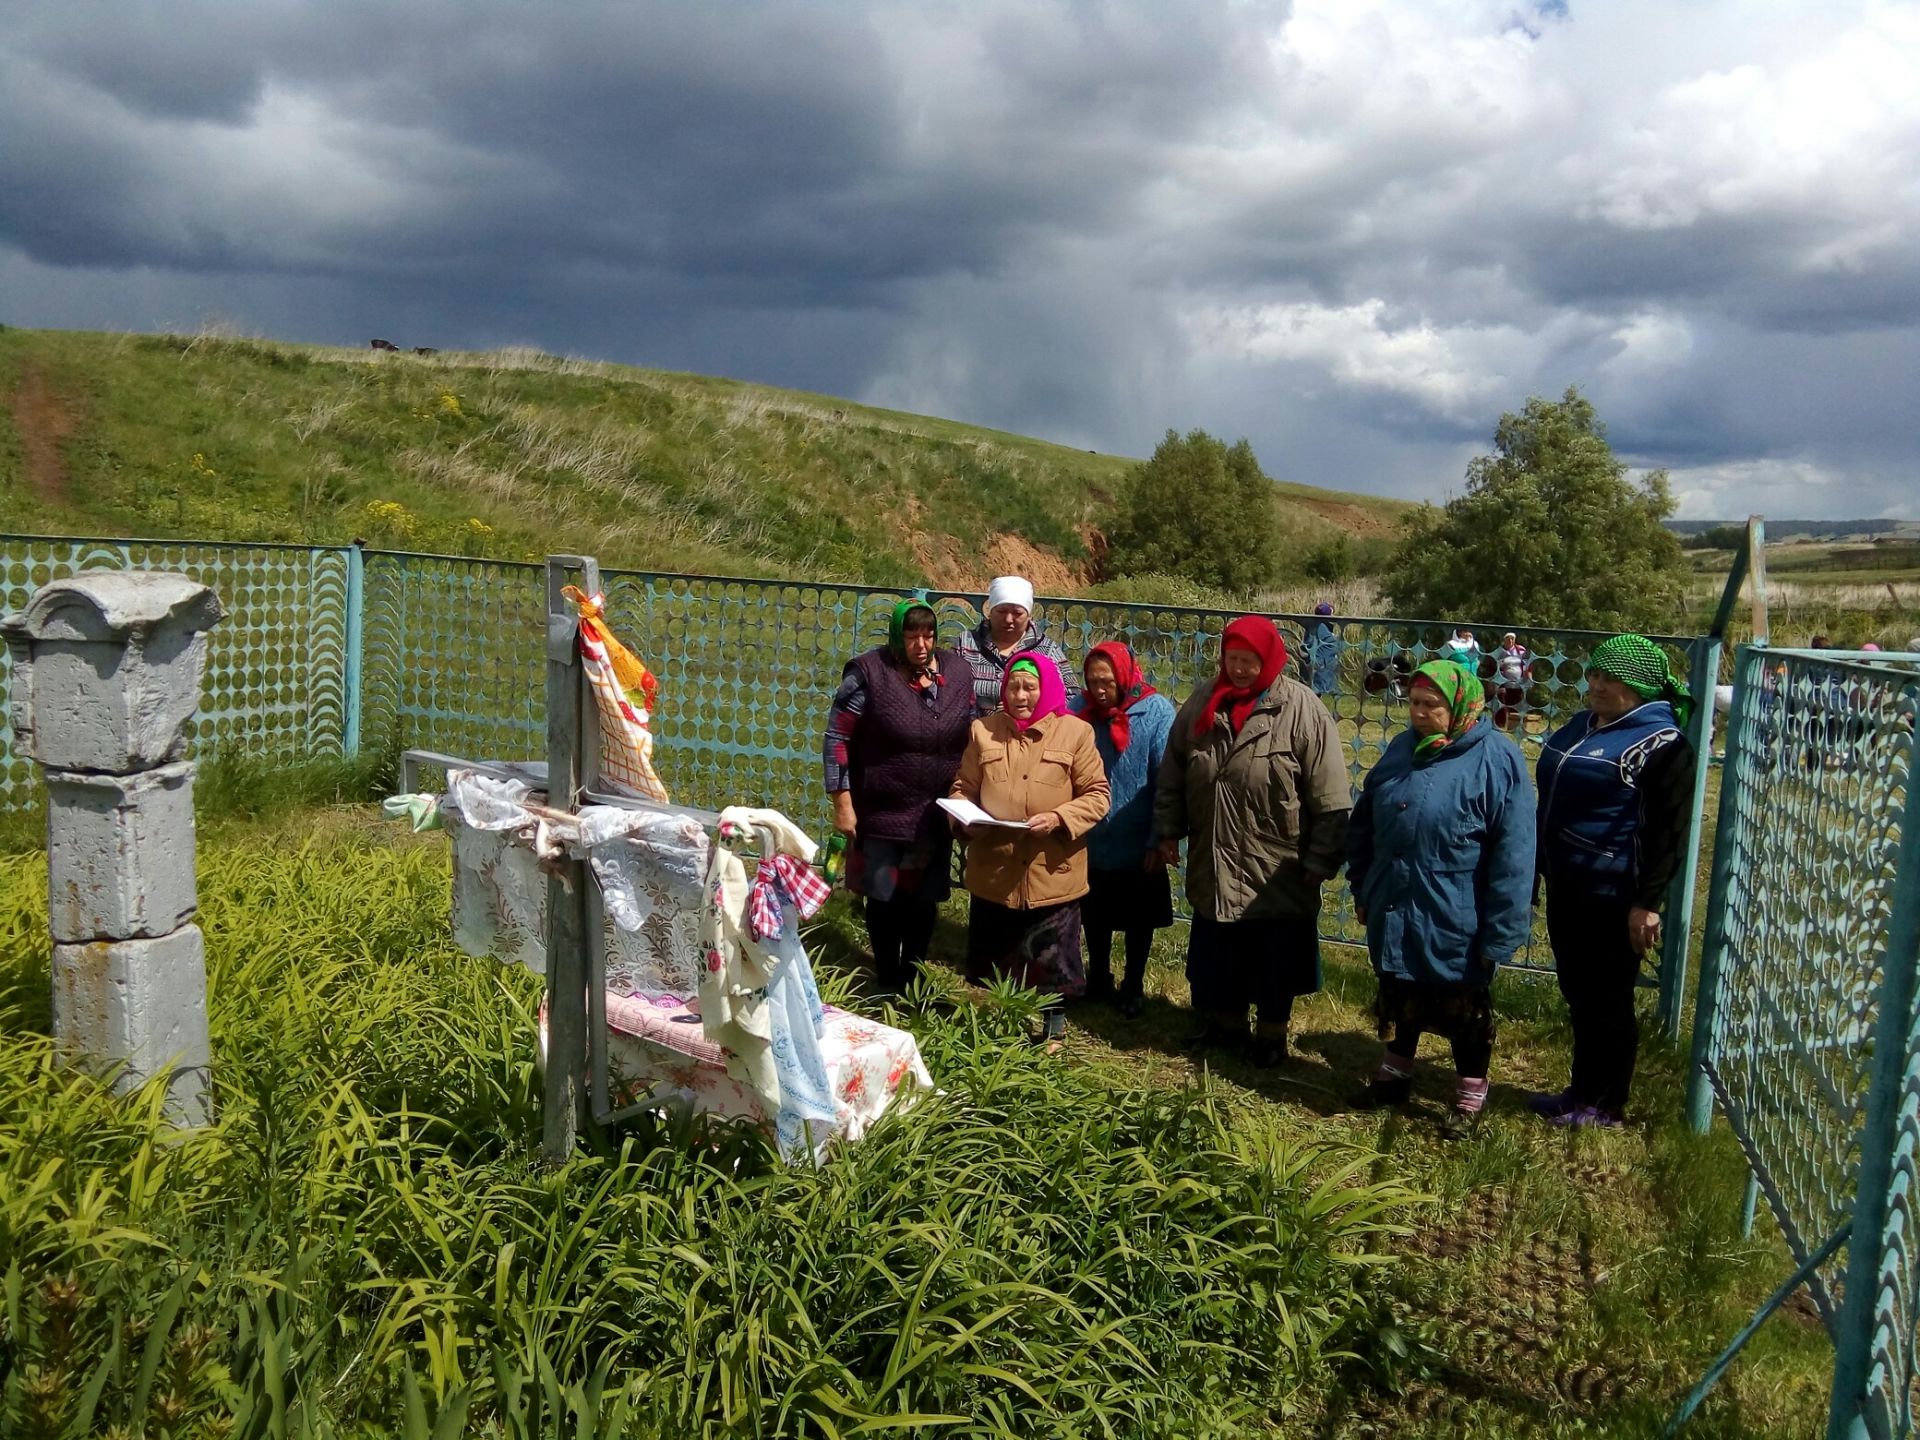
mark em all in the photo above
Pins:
pixel 1235 963
pixel 1127 900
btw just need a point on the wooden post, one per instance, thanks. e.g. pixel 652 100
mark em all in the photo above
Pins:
pixel 564 1096
pixel 1757 575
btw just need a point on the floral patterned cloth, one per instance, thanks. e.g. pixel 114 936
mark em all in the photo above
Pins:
pixel 659 1052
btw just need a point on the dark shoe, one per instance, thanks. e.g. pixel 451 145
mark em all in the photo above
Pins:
pixel 1268 1053
pixel 1217 1037
pixel 1378 1094
pixel 1551 1106
pixel 1458 1124
pixel 1131 1003
pixel 1586 1117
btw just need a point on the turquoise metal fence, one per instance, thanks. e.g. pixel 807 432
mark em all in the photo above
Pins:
pixel 280 680
pixel 1806 1030
pixel 331 649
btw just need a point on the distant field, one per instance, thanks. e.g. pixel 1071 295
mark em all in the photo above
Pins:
pixel 514 453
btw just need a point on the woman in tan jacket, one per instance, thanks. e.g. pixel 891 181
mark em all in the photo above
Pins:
pixel 1031 761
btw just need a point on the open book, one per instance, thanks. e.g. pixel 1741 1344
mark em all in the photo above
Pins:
pixel 968 813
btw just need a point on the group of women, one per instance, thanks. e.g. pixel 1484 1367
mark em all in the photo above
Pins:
pixel 1094 791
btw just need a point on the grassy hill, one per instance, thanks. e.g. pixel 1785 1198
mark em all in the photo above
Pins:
pixel 514 453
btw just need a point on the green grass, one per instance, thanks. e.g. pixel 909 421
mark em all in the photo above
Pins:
pixel 514 454
pixel 1132 1235
pixel 367 1243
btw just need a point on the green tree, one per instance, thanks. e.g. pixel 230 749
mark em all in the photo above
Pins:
pixel 1720 537
pixel 1199 509
pixel 1550 531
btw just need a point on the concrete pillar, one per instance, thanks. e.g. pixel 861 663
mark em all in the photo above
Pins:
pixel 106 675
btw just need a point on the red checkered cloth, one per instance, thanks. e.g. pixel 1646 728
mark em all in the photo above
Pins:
pixel 779 879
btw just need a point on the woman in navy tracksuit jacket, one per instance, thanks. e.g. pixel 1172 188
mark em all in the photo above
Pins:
pixel 1616 792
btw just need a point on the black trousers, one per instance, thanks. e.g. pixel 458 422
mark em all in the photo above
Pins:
pixel 1599 974
pixel 899 930
pixel 1139 945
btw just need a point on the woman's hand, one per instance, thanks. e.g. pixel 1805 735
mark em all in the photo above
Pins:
pixel 1045 823
pixel 1154 862
pixel 1643 929
pixel 843 820
pixel 1170 853
pixel 1360 912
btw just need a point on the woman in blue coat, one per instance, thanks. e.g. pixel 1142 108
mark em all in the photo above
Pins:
pixel 1131 892
pixel 1440 853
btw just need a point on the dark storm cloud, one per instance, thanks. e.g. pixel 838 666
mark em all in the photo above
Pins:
pixel 1353 232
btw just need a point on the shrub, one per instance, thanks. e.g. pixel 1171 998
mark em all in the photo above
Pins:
pixel 366 1242
pixel 1549 532
pixel 1199 509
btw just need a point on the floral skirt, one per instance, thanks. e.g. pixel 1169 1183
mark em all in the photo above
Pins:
pixel 919 869
pixel 1457 1012
pixel 1038 948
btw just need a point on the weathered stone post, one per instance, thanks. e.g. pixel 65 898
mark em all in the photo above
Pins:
pixel 106 675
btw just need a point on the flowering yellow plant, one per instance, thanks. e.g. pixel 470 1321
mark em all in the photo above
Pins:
pixel 392 516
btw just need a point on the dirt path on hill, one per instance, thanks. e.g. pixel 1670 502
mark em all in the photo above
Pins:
pixel 43 419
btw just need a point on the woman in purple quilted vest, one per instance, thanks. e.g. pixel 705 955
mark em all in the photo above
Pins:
pixel 899 723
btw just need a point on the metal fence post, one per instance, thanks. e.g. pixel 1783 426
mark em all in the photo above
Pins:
pixel 1706 1003
pixel 1704 666
pixel 355 646
pixel 1854 1333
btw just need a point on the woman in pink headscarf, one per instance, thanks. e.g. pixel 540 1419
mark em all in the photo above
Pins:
pixel 1031 762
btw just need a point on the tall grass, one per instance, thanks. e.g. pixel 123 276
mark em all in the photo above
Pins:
pixel 366 1243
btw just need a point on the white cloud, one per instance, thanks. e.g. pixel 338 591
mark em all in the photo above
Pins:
pixel 1086 221
pixel 1786 487
pixel 1444 370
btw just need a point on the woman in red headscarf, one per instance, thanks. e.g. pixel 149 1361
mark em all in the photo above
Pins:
pixel 1255 781
pixel 1129 890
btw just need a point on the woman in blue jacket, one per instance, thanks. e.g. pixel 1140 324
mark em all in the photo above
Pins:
pixel 1131 892
pixel 1440 854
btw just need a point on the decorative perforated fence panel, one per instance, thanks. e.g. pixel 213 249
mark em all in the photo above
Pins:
pixel 451 657
pixel 277 671
pixel 747 669
pixel 1806 1029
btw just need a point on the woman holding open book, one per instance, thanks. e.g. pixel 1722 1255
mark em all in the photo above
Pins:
pixel 1033 764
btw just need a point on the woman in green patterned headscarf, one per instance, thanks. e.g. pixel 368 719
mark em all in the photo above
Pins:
pixel 1462 695
pixel 894 736
pixel 1440 860
pixel 1640 665
pixel 1616 801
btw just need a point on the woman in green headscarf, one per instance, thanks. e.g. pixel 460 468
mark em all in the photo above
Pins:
pixel 1616 796
pixel 894 737
pixel 1440 860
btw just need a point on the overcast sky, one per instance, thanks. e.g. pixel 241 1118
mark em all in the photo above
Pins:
pixel 1353 232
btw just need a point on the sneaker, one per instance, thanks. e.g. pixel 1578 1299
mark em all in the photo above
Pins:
pixel 1586 1117
pixel 1458 1124
pixel 1131 1004
pixel 1550 1106
pixel 1378 1094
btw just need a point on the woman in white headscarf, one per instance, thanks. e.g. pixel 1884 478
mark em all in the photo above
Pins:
pixel 1007 630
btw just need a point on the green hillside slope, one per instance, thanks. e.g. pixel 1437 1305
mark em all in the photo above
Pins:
pixel 514 454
